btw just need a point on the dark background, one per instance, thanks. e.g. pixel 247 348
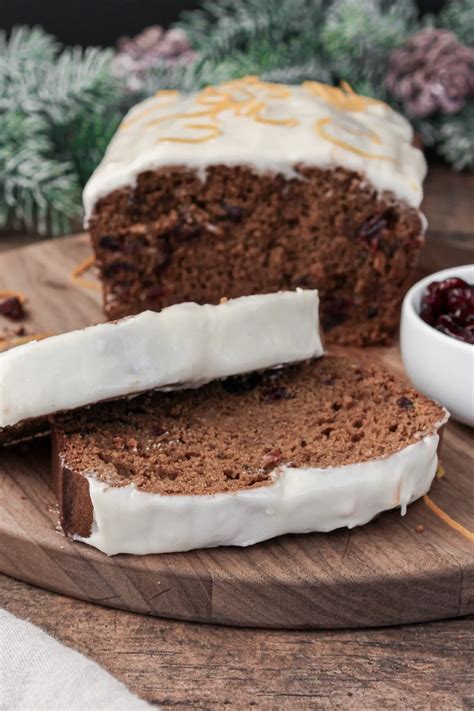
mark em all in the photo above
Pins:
pixel 102 22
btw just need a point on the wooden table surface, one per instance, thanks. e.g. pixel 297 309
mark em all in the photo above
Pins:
pixel 184 665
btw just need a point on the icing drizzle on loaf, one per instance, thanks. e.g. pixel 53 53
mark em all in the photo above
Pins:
pixel 268 126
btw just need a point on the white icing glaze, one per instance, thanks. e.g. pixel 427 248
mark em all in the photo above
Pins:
pixel 300 500
pixel 183 345
pixel 270 127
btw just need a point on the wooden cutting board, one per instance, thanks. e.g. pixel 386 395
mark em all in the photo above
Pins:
pixel 395 570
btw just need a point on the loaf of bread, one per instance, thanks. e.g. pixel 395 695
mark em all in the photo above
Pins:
pixel 253 187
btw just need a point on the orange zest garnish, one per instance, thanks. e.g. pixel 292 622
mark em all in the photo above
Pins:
pixel 247 97
pixel 7 294
pixel 343 97
pixel 212 132
pixel 320 128
pixel 167 92
pixel 82 268
pixel 236 96
pixel 448 520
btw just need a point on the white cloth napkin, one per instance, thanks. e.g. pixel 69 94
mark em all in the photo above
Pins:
pixel 37 673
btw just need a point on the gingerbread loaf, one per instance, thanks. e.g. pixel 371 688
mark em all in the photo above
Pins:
pixel 311 447
pixel 253 187
pixel 182 346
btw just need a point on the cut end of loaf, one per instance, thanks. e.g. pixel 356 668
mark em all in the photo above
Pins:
pixel 239 232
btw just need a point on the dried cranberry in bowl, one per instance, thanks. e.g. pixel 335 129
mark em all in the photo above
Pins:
pixel 448 306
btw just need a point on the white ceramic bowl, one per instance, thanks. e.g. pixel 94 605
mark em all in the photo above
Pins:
pixel 438 365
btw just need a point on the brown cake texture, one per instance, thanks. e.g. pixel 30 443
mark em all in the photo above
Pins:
pixel 231 435
pixel 174 238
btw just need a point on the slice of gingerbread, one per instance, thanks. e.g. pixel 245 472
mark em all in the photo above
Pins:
pixel 182 346
pixel 311 447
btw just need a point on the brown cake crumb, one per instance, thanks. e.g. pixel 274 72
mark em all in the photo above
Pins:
pixel 228 436
pixel 174 238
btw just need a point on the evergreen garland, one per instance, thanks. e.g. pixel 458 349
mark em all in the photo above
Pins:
pixel 37 192
pixel 459 18
pixel 359 36
pixel 58 110
pixel 60 107
pixel 455 138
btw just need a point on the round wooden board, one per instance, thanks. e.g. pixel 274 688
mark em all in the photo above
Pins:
pixel 394 570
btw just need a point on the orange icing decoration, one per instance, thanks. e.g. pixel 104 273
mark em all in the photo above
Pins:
pixel 241 86
pixel 274 91
pixel 215 95
pixel 254 110
pixel 214 131
pixel 219 99
pixel 167 92
pixel 226 98
pixel 277 122
pixel 242 81
pixel 6 294
pixel 321 131
pixel 448 520
pixel 279 92
pixel 249 79
pixel 82 268
pixel 250 108
pixel 133 119
pixel 150 110
pixel 343 98
pixel 191 114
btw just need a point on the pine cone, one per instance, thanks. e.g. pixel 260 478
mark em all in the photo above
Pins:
pixel 144 42
pixel 138 55
pixel 432 72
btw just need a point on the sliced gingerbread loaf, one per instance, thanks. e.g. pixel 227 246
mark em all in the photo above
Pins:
pixel 311 447
pixel 253 187
pixel 182 346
